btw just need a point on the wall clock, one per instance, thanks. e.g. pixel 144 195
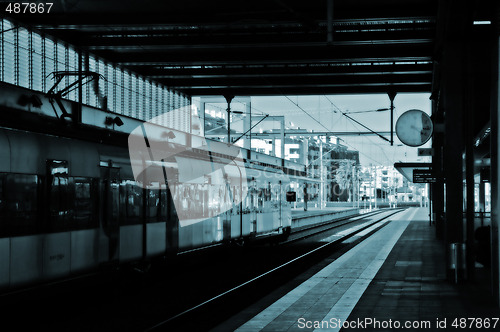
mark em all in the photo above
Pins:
pixel 414 128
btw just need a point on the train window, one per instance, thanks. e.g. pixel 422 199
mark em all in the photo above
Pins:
pixel 213 200
pixel 57 167
pixel 267 192
pixel 153 205
pixel 131 203
pixel 60 204
pixel 163 203
pixel 3 220
pixel 84 204
pixel 276 193
pixel 19 201
pixel 291 196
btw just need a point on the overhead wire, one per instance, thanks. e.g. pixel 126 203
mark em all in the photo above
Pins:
pixel 350 145
pixel 327 129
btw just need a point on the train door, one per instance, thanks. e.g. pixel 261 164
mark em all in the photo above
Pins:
pixel 280 202
pixel 110 194
pixel 172 226
pixel 227 212
pixel 60 210
pixel 253 207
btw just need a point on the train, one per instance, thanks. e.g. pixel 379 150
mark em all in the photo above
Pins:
pixel 69 206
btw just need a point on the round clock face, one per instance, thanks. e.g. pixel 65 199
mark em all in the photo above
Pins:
pixel 414 128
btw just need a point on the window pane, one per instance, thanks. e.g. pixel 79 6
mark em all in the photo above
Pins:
pixel 73 66
pixel 24 56
pixel 133 96
pixel 130 203
pixel 126 93
pixel 92 101
pixel 140 96
pixel 117 91
pixel 109 86
pixel 153 205
pixel 49 63
pixel 163 99
pixel 61 64
pixel 85 207
pixel 164 203
pixel 147 100
pixel 3 208
pixel 37 62
pixel 19 201
pixel 9 52
pixel 60 204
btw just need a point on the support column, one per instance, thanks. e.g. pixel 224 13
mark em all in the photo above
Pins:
pixel 247 124
pixel 392 95
pixel 228 98
pixel 273 150
pixel 80 88
pixel 201 116
pixel 495 155
pixel 282 136
pixel 453 96
pixel 469 179
pixel 321 175
pixel 437 188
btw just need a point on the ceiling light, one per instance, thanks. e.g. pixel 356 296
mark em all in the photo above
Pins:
pixel 481 22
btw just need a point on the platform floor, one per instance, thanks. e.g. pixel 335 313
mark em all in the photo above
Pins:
pixel 397 274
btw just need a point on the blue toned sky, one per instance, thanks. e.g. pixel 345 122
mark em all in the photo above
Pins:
pixel 325 110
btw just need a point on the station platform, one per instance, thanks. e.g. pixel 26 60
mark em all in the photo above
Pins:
pixel 396 276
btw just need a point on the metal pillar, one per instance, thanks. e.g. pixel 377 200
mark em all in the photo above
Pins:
pixel 201 116
pixel 282 136
pixel 453 100
pixel 321 174
pixel 392 95
pixel 470 106
pixel 273 147
pixel 247 124
pixel 495 158
pixel 437 188
pixel 469 178
pixel 228 100
pixel 80 87
pixel 376 192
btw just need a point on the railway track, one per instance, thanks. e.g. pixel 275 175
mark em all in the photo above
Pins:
pixel 180 320
pixel 309 231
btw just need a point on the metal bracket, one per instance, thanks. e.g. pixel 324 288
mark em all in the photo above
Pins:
pixel 82 78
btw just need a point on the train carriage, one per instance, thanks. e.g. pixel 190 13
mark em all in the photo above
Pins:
pixel 68 206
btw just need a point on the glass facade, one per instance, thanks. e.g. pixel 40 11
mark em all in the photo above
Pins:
pixel 28 58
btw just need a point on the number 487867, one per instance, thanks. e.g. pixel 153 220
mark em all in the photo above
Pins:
pixel 29 7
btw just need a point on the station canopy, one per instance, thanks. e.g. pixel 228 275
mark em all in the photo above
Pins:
pixel 259 47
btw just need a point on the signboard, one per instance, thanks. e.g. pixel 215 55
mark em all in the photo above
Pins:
pixel 424 176
pixel 422 152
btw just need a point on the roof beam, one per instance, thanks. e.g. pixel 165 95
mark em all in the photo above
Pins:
pixel 309 90
pixel 306 54
pixel 298 80
pixel 286 70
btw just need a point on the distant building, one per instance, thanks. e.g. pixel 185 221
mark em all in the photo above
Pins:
pixel 323 158
pixel 388 185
